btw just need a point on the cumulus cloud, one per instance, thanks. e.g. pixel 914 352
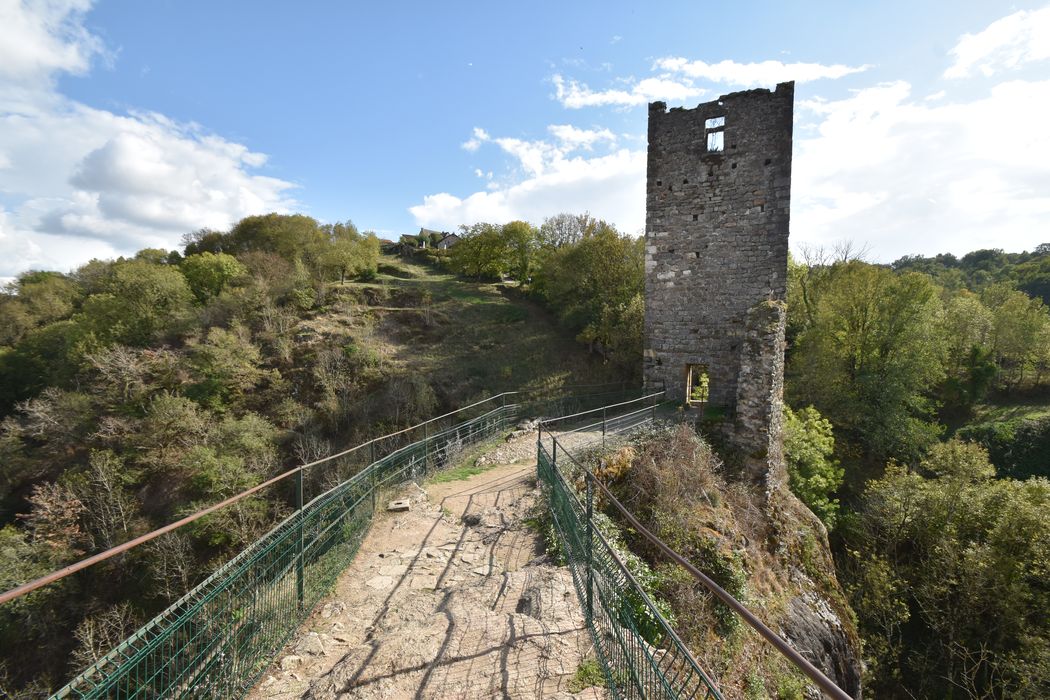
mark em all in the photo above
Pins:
pixel 81 182
pixel 572 137
pixel 474 142
pixel 551 180
pixel 1007 43
pixel 898 172
pixel 883 167
pixel 751 74
pixel 40 37
pixel 575 95
pixel 676 78
pixel 907 175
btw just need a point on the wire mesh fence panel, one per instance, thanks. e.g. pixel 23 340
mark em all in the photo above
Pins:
pixel 218 638
pixel 640 654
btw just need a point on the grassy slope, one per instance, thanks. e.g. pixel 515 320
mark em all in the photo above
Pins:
pixel 1000 412
pixel 470 340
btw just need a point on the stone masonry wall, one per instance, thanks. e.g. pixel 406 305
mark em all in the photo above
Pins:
pixel 716 239
pixel 759 426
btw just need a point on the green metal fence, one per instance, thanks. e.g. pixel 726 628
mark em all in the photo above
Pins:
pixel 641 655
pixel 218 638
pixel 214 642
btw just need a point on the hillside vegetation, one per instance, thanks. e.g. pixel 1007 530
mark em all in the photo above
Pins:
pixel 911 386
pixel 139 390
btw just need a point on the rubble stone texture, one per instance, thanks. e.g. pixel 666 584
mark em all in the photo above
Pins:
pixel 716 240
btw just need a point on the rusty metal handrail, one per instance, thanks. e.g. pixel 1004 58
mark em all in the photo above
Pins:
pixel 818 677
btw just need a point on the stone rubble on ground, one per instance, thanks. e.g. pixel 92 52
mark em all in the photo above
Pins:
pixel 433 606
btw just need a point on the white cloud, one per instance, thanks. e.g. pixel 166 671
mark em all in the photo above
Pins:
pixel 1007 43
pixel 749 74
pixel 551 181
pixel 572 137
pixel 905 175
pixel 40 37
pixel 474 142
pixel 81 182
pixel 676 81
pixel 900 173
pixel 575 95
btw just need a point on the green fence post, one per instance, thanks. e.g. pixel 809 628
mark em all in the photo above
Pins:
pixel 372 474
pixel 300 583
pixel 603 427
pixel 590 549
pixel 426 449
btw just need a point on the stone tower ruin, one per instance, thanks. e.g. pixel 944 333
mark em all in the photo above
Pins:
pixel 716 234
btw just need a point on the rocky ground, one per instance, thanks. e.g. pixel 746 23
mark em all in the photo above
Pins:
pixel 451 599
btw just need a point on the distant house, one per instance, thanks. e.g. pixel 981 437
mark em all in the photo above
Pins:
pixel 429 238
pixel 448 241
pixel 388 246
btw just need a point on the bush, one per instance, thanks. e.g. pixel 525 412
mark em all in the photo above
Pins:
pixel 814 474
pixel 1018 448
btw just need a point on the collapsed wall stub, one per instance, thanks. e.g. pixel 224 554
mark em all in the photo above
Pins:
pixel 717 208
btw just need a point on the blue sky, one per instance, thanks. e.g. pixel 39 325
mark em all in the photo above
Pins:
pixel 919 126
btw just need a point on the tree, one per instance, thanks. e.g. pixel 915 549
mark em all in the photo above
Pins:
pixel 482 252
pixel 138 300
pixel 871 357
pixel 962 558
pixel 209 273
pixel 36 299
pixel 814 474
pixel 565 229
pixel 521 242
pixel 350 253
pixel 291 236
pixel 1019 326
pixel 227 365
pixel 967 325
pixel 204 241
pixel 618 332
pixel 579 280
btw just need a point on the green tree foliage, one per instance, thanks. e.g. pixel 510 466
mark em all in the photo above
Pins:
pixel 227 365
pixel 869 356
pixel 565 229
pixel 1020 329
pixel 481 253
pixel 970 370
pixel 33 300
pixel 323 250
pixel 948 575
pixel 290 236
pixel 209 273
pixel 1028 271
pixel 814 474
pixel 521 241
pixel 204 240
pixel 595 287
pixel 1017 447
pixel 350 253
pixel 137 300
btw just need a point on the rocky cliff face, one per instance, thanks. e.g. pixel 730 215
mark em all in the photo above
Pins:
pixel 760 543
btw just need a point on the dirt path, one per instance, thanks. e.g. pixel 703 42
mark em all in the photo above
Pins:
pixel 452 599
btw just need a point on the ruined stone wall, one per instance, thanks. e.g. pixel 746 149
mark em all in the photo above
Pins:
pixel 716 240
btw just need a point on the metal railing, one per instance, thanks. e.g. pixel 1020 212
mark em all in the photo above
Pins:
pixel 216 640
pixel 640 653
